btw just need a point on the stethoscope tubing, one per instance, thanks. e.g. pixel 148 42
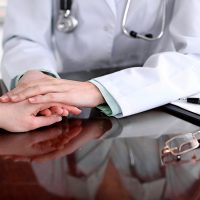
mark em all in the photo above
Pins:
pixel 149 36
pixel 65 7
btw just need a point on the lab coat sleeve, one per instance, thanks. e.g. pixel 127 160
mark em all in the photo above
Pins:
pixel 111 107
pixel 27 41
pixel 165 76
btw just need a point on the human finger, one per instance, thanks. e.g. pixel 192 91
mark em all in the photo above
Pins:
pixel 47 112
pixel 57 110
pixel 49 98
pixel 65 112
pixel 40 121
pixel 18 88
pixel 61 110
pixel 72 110
pixel 8 96
pixel 20 94
pixel 5 98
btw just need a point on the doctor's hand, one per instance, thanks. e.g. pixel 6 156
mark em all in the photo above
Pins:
pixel 49 89
pixel 36 77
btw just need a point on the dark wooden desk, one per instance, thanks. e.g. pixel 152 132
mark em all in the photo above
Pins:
pixel 98 158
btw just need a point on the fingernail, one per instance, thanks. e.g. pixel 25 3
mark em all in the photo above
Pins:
pixel 59 119
pixel 31 99
pixel 65 113
pixel 4 98
pixel 14 98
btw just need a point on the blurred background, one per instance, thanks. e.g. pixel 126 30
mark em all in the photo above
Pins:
pixel 2 15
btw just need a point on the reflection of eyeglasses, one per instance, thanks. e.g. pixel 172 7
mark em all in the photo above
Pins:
pixel 180 145
pixel 190 157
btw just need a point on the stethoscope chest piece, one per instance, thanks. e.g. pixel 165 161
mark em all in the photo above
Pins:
pixel 66 22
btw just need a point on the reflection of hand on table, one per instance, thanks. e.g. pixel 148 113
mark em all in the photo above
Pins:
pixel 86 131
pixel 52 142
pixel 24 147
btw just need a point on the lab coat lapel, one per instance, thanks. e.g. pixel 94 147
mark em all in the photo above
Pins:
pixel 112 6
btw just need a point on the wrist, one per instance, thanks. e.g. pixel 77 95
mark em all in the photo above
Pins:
pixel 96 95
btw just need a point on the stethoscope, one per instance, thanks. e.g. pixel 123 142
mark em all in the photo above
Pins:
pixel 68 23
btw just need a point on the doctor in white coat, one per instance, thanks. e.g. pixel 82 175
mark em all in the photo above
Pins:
pixel 156 71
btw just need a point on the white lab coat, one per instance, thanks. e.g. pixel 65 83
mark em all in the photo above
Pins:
pixel 171 65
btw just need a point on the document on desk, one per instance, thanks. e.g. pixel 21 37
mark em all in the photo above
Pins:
pixel 195 108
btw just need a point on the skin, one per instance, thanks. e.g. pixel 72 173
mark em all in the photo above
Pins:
pixel 52 142
pixel 48 89
pixel 33 77
pixel 23 116
pixel 25 147
pixel 82 133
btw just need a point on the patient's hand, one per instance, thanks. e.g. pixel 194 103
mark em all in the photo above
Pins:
pixel 24 116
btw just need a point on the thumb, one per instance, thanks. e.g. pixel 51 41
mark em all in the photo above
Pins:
pixel 41 121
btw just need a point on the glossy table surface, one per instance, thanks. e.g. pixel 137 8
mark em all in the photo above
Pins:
pixel 95 157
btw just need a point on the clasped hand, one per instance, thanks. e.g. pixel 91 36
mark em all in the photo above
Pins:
pixel 50 97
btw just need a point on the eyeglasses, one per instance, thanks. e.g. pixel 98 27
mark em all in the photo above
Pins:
pixel 179 145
